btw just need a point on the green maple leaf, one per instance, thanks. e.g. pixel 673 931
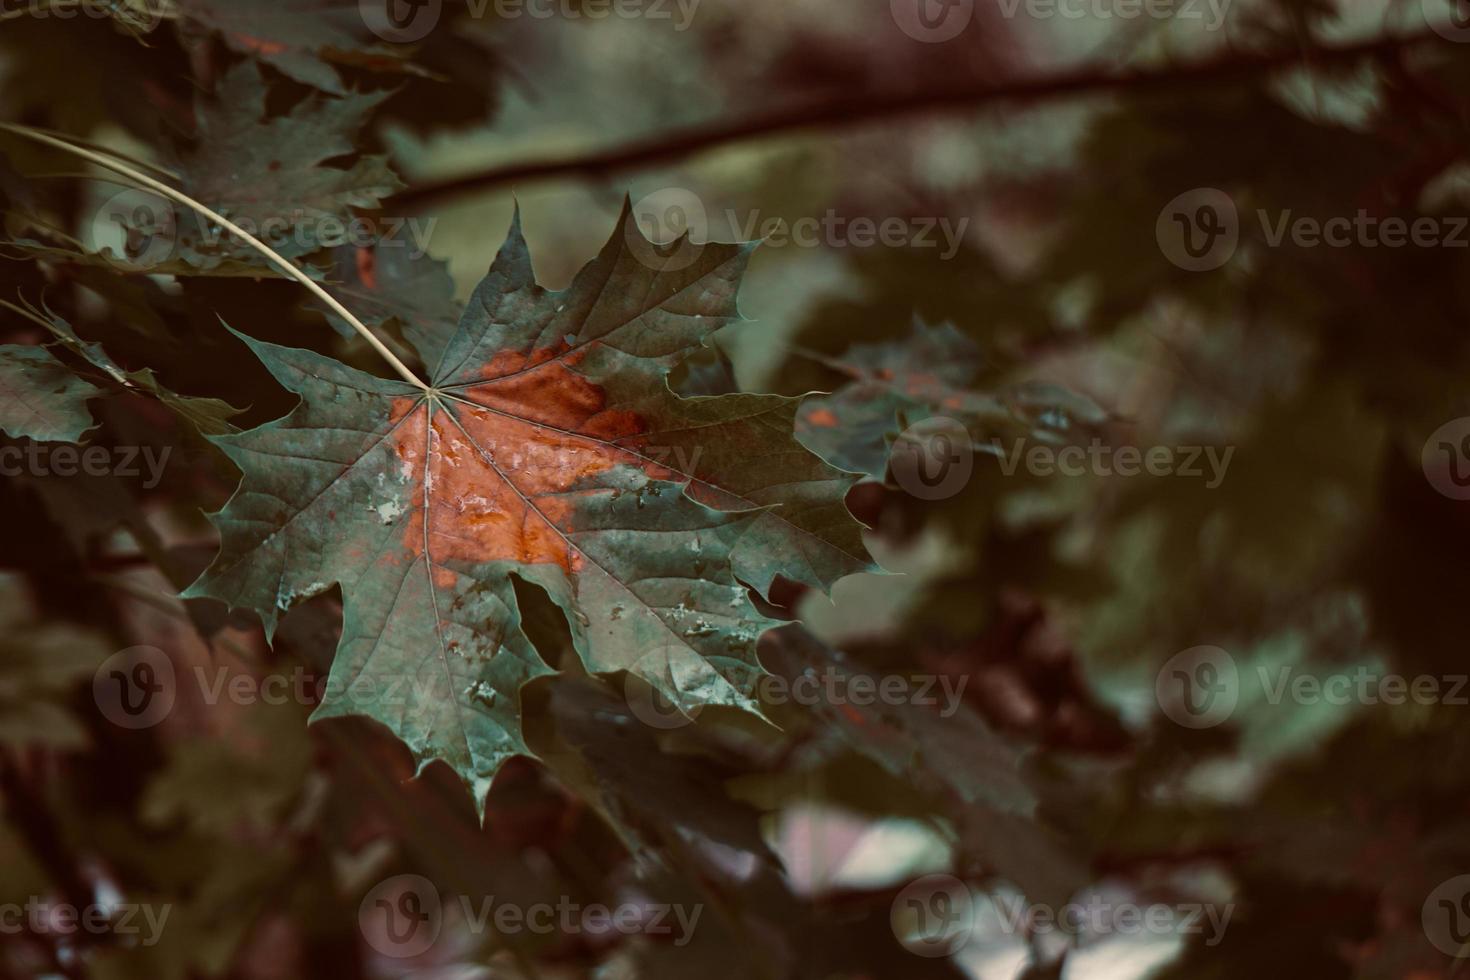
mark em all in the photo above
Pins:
pixel 894 383
pixel 40 398
pixel 35 368
pixel 389 288
pixel 270 174
pixel 210 416
pixel 935 372
pixel 548 447
pixel 297 37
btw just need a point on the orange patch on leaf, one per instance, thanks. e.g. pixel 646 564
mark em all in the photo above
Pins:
pixel 918 383
pixel 503 475
pixel 543 387
pixel 259 46
pixel 822 418
pixel 367 268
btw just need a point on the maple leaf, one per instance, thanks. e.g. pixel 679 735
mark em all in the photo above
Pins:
pixel 271 174
pixel 933 373
pixel 297 36
pixel 548 447
pixel 40 398
pixel 894 384
pixel 210 416
pixel 27 373
pixel 390 289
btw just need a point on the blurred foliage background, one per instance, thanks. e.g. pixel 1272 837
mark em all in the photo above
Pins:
pixel 1052 145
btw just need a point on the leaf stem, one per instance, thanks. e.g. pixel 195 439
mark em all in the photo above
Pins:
pixel 284 264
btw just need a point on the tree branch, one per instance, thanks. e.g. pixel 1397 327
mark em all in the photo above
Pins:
pixel 871 108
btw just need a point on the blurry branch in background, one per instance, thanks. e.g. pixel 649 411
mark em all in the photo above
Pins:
pixel 868 107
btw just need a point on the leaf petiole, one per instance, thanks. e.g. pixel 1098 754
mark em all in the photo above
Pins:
pixel 275 258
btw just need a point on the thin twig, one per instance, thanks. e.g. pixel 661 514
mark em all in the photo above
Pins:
pixel 284 264
pixel 869 108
